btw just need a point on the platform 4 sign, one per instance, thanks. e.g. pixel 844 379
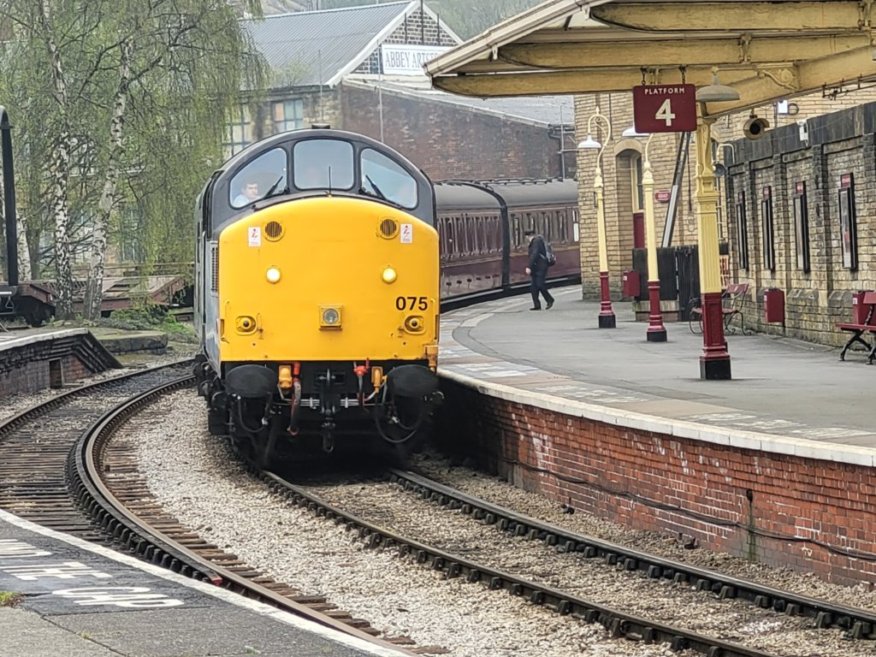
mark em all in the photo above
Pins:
pixel 665 108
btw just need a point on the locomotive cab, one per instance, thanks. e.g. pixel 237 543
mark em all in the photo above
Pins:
pixel 318 270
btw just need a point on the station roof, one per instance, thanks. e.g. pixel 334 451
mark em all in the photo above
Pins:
pixel 765 50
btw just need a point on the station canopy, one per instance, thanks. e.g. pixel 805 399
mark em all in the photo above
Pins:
pixel 765 50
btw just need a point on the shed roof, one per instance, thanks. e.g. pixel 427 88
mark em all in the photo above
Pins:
pixel 324 45
pixel 765 49
pixel 321 47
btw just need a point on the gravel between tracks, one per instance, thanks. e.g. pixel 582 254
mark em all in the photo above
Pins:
pixel 504 494
pixel 732 620
pixel 199 483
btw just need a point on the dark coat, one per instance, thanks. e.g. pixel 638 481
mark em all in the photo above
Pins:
pixel 537 254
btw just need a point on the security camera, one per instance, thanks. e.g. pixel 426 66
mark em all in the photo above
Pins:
pixel 755 127
pixel 803 129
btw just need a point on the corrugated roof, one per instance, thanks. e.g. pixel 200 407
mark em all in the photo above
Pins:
pixel 313 47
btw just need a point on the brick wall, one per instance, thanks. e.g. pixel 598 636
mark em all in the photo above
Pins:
pixel 417 29
pixel 26 370
pixel 804 514
pixel 839 144
pixel 618 162
pixel 618 108
pixel 319 106
pixel 451 141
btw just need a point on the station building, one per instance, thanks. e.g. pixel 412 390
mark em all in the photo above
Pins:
pixel 360 69
pixel 837 125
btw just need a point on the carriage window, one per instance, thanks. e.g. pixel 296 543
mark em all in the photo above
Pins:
pixel 461 236
pixel 323 164
pixel 264 176
pixel 496 232
pixel 517 234
pixel 383 178
pixel 444 236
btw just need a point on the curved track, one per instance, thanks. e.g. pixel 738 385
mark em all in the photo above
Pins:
pixel 59 469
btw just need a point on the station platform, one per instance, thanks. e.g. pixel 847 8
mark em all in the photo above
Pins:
pixel 786 395
pixel 81 600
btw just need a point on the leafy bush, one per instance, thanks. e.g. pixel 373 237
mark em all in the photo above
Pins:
pixel 150 318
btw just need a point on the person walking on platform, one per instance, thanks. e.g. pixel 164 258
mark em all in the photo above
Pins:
pixel 537 270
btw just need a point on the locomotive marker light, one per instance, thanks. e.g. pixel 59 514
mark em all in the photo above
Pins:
pixel 656 330
pixel 389 275
pixel 607 318
pixel 273 275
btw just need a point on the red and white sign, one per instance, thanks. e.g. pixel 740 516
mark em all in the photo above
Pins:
pixel 662 195
pixel 665 108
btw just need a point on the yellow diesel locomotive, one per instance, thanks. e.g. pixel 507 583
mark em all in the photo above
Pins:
pixel 317 285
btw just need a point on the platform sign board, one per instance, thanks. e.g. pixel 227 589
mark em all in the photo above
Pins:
pixel 665 108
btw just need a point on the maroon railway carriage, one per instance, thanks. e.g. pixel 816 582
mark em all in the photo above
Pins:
pixel 482 227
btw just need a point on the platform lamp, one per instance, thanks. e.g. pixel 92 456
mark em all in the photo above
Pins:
pixel 607 318
pixel 715 359
pixel 656 330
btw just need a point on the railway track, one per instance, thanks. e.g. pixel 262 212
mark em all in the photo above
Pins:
pixel 104 476
pixel 35 443
pixel 858 623
pixel 60 468
pixel 417 543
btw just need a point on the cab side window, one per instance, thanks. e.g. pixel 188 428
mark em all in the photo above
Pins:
pixel 264 176
pixel 387 180
pixel 322 164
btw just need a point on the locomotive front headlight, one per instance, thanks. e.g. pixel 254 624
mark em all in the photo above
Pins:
pixel 389 275
pixel 273 275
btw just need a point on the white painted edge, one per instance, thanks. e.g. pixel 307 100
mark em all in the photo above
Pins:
pixel 230 597
pixel 735 438
pixel 33 338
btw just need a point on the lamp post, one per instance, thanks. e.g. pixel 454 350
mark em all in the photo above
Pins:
pixel 715 359
pixel 656 330
pixel 606 313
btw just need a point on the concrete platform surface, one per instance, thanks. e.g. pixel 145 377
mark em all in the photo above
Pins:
pixel 82 600
pixel 782 391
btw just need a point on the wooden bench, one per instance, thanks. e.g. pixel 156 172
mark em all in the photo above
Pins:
pixel 857 330
pixel 731 307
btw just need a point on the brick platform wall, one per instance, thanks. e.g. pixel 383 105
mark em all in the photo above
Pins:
pixel 26 369
pixel 806 514
pixel 27 378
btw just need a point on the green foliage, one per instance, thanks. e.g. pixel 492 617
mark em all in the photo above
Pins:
pixel 150 318
pixel 9 599
pixel 188 61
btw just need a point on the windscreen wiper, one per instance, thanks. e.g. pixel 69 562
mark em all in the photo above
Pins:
pixel 273 188
pixel 376 189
